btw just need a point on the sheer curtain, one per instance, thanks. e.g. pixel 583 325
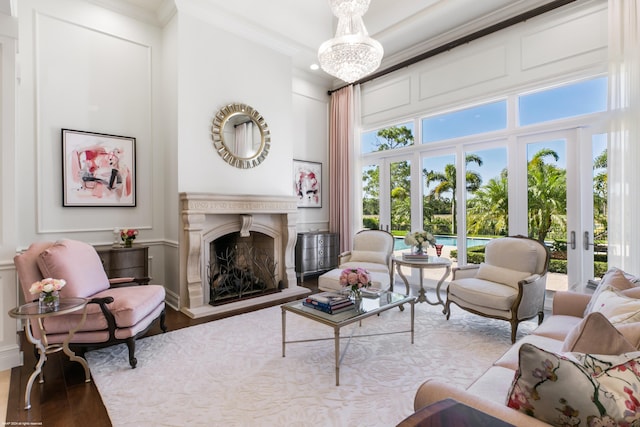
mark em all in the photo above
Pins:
pixel 341 131
pixel 624 135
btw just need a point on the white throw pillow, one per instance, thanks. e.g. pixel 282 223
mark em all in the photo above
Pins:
pixel 615 278
pixel 617 307
pixel 501 275
pixel 368 256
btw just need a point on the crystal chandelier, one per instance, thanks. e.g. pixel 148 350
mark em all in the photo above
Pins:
pixel 351 54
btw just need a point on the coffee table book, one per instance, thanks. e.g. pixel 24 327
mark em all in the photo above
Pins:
pixel 329 298
pixel 415 257
pixel 331 310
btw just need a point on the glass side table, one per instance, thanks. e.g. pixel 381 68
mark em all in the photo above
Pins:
pixel 31 312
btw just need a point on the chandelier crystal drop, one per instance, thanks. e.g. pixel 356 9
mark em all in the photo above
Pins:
pixel 351 54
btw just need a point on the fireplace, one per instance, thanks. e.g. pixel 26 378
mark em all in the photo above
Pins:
pixel 241 267
pixel 209 223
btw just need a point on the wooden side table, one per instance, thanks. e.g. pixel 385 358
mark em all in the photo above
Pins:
pixel 451 413
pixel 30 312
pixel 125 262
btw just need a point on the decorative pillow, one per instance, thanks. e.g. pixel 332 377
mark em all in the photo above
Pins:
pixel 596 335
pixel 615 278
pixel 501 275
pixel 616 307
pixel 76 262
pixel 586 391
pixel 368 256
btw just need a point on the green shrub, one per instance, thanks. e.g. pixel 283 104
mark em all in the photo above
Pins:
pixel 558 266
pixel 371 223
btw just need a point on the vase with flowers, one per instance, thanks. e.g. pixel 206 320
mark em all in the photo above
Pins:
pixel 48 293
pixel 420 241
pixel 128 235
pixel 354 279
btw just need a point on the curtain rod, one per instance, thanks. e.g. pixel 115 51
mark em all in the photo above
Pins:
pixel 464 40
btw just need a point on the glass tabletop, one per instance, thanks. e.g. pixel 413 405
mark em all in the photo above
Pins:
pixel 32 309
pixel 371 304
pixel 425 261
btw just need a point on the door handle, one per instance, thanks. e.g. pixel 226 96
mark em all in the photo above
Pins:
pixel 572 239
pixel 585 241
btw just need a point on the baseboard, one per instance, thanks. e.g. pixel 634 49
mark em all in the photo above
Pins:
pixel 10 357
pixel 172 299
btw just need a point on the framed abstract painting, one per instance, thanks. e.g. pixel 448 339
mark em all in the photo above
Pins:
pixel 307 183
pixel 98 169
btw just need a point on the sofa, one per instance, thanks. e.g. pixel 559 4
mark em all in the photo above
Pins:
pixel 607 322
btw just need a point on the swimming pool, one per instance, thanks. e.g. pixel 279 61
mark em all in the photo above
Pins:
pixel 443 240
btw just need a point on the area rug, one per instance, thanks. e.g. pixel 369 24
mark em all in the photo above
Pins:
pixel 231 372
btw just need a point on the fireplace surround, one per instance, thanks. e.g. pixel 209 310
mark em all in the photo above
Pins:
pixel 207 217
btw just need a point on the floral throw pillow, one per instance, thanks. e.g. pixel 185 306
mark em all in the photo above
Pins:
pixel 577 389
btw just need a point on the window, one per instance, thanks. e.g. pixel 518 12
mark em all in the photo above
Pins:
pixel 388 138
pixel 470 121
pixel 562 102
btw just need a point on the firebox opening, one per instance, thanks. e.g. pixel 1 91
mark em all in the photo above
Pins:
pixel 241 267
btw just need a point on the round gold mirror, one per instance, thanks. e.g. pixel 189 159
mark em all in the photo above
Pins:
pixel 241 136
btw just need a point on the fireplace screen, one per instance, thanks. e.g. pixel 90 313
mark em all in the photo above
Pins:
pixel 241 268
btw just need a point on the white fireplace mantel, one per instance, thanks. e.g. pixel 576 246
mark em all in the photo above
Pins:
pixel 206 216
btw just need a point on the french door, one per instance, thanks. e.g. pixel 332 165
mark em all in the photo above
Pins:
pixel 386 193
pixel 560 198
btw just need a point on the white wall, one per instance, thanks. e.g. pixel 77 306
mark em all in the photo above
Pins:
pixel 89 69
pixel 9 355
pixel 82 67
pixel 311 143
pixel 169 172
pixel 216 68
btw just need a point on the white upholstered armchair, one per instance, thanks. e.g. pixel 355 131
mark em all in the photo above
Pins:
pixel 510 284
pixel 372 250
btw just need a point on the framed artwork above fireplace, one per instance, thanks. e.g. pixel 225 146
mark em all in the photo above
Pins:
pixel 307 183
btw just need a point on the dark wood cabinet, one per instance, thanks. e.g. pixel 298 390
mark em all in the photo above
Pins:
pixel 316 252
pixel 125 262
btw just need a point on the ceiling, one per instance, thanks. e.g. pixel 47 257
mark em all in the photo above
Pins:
pixel 405 28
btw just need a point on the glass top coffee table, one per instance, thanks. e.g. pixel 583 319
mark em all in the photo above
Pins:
pixel 371 305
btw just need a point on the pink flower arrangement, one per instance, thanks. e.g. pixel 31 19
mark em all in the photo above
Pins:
pixel 47 286
pixel 355 278
pixel 128 234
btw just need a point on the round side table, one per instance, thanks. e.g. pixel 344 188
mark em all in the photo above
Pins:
pixel 421 264
pixel 32 311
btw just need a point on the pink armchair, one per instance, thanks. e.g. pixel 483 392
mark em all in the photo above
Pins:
pixel 114 315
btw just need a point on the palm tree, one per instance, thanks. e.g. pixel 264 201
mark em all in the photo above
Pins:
pixel 447 183
pixel 488 210
pixel 547 195
pixel 600 207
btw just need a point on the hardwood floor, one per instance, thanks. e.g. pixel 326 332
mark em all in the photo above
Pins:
pixel 64 399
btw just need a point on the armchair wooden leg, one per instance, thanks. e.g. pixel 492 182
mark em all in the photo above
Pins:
pixel 131 345
pixel 514 330
pixel 163 316
pixel 447 309
pixel 540 317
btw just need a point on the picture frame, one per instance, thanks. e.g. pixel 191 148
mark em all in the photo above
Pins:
pixel 307 183
pixel 98 169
